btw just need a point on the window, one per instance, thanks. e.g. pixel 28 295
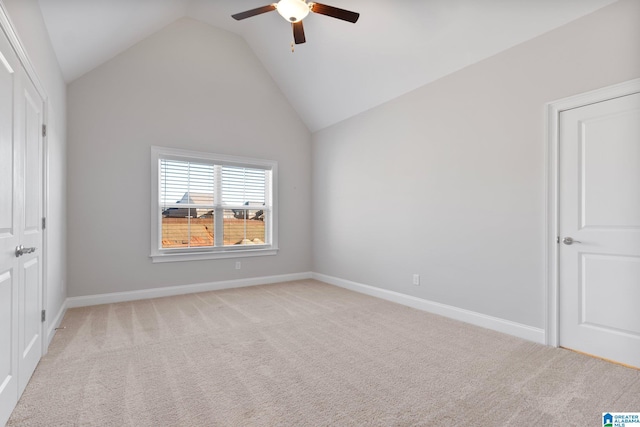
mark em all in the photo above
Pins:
pixel 206 206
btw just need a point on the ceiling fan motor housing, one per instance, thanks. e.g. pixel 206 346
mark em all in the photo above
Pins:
pixel 293 10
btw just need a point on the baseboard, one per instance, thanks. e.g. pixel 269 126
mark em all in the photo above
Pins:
pixel 114 297
pixel 55 322
pixel 494 323
pixel 501 325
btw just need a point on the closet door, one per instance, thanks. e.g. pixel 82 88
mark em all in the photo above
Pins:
pixel 10 220
pixel 599 225
pixel 30 261
pixel 21 206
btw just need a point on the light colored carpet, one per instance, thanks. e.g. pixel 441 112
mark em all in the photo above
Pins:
pixel 307 354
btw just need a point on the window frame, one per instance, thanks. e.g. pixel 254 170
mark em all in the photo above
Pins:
pixel 158 254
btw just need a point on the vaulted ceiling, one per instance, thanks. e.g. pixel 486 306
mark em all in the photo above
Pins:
pixel 344 68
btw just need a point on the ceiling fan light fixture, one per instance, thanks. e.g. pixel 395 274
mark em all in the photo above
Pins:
pixel 293 10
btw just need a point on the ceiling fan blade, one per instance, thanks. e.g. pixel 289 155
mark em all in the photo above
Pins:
pixel 298 32
pixel 335 12
pixel 253 12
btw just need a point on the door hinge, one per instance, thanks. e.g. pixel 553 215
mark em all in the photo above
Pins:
pixel 44 223
pixel 43 315
pixel 44 130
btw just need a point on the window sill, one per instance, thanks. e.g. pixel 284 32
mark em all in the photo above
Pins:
pixel 197 256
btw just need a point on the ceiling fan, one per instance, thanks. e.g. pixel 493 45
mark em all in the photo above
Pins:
pixel 295 11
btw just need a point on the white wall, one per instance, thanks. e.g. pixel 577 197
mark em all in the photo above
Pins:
pixel 188 86
pixel 27 20
pixel 448 181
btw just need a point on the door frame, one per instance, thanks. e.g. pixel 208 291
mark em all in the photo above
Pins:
pixel 553 110
pixel 8 28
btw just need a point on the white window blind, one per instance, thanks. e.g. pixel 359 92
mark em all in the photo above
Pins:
pixel 186 183
pixel 241 185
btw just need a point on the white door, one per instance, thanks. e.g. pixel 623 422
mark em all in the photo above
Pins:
pixel 599 209
pixel 21 199
pixel 9 235
pixel 30 262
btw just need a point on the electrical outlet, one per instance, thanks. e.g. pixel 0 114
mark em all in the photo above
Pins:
pixel 238 265
pixel 416 279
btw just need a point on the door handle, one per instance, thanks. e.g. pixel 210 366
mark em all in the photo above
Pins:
pixel 570 241
pixel 21 250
